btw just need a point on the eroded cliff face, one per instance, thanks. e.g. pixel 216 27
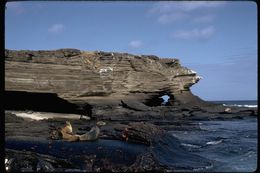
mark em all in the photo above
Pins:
pixel 99 78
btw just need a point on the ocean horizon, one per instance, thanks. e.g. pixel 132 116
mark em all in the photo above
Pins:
pixel 237 103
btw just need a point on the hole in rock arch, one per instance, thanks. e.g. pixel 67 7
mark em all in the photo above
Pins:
pixel 165 99
pixel 42 102
pixel 161 99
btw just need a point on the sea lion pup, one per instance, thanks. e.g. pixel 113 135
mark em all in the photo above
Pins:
pixel 93 134
pixel 67 134
pixel 67 128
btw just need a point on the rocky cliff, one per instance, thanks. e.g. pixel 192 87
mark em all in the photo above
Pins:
pixel 101 79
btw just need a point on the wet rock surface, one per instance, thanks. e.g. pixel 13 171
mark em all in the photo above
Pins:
pixel 147 148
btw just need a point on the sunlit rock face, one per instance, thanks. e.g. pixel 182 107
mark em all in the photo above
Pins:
pixel 96 78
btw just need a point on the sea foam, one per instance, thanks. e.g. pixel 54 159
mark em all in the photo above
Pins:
pixel 236 105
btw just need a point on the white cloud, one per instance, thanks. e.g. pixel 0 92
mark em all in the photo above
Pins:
pixel 167 7
pixel 198 5
pixel 56 28
pixel 136 44
pixel 168 12
pixel 168 18
pixel 198 34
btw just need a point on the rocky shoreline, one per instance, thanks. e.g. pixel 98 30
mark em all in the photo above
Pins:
pixel 47 88
pixel 28 143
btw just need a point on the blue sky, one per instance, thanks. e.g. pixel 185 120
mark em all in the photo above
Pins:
pixel 216 39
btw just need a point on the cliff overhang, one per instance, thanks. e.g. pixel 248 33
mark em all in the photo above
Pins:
pixel 99 78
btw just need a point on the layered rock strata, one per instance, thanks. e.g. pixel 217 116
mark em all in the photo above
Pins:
pixel 73 74
pixel 80 76
pixel 103 84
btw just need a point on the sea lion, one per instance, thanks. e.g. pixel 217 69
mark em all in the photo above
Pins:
pixel 67 134
pixel 93 134
pixel 67 128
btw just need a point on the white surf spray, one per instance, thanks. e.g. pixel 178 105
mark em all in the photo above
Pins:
pixel 214 142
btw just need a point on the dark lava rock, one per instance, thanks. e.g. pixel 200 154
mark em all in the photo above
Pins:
pixel 44 166
pixel 134 105
pixel 12 118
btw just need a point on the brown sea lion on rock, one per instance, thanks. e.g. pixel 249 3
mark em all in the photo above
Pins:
pixel 67 128
pixel 66 133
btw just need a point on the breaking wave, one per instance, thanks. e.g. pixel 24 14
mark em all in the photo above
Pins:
pixel 236 105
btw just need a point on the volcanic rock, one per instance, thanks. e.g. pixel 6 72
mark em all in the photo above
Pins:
pixel 102 80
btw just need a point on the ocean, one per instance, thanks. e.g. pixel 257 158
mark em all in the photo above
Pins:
pixel 231 145
pixel 238 103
